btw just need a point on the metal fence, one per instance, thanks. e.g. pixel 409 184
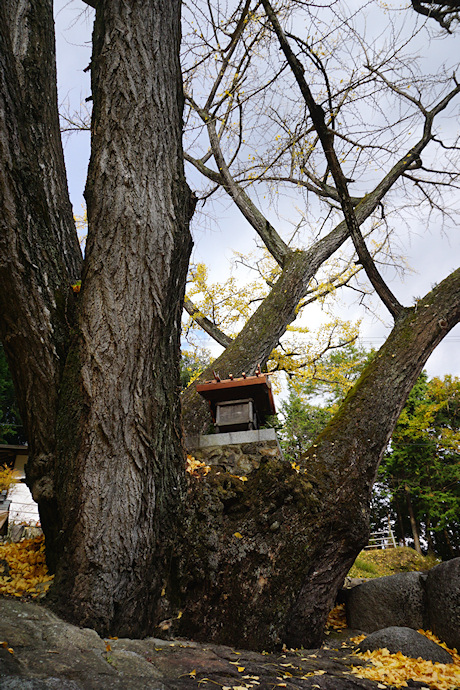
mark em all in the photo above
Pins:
pixel 382 539
pixel 26 513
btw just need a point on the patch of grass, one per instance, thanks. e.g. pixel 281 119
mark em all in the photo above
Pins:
pixel 381 562
pixel 365 566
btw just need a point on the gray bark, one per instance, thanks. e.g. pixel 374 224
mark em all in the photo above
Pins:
pixel 300 533
pixel 127 465
pixel 39 252
pixel 97 373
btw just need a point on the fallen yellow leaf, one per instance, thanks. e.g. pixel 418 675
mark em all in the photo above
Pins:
pixel 28 574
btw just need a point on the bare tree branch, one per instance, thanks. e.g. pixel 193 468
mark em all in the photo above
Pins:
pixel 274 243
pixel 443 12
pixel 206 324
pixel 326 136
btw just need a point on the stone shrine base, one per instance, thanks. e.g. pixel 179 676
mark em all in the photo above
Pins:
pixel 237 452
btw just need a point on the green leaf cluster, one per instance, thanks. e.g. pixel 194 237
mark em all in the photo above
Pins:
pixel 192 363
pixel 423 463
pixel 421 469
pixel 312 402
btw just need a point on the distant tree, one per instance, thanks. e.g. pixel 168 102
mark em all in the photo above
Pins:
pixel 303 422
pixel 313 401
pixel 418 484
pixel 422 468
pixel 192 363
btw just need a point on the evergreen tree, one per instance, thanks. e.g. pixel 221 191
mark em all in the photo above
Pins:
pixel 422 467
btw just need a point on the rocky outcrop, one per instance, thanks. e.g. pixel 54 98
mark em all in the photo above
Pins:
pixel 42 652
pixel 396 600
pixel 443 601
pixel 412 644
pixel 429 600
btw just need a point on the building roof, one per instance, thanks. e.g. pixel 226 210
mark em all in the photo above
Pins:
pixel 257 387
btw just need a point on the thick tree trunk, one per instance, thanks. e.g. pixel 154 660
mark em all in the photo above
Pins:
pixel 123 482
pixel 255 563
pixel 39 252
pixel 97 374
pixel 262 560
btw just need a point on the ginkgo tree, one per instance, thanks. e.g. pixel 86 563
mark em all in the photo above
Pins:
pixel 136 547
pixel 354 132
pixel 256 135
pixel 220 309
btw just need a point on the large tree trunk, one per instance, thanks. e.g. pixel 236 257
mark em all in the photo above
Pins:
pixel 97 373
pixel 39 252
pixel 123 482
pixel 254 563
pixel 262 560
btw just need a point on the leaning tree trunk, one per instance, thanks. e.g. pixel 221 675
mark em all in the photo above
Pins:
pixel 97 373
pixel 261 560
pixel 263 330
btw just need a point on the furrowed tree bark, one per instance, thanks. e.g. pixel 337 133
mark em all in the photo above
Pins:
pixel 97 374
pixel 262 560
pixel 253 563
pixel 39 252
pixel 123 482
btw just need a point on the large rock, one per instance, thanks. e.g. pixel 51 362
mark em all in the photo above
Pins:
pixel 43 652
pixel 396 600
pixel 443 601
pixel 407 641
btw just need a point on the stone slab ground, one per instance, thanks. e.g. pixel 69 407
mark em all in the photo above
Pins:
pixel 48 653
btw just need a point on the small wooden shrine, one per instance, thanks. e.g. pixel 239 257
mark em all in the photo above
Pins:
pixel 239 404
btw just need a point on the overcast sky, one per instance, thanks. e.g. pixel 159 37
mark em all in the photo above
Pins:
pixel 431 255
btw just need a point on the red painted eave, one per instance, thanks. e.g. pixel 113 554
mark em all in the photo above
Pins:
pixel 257 387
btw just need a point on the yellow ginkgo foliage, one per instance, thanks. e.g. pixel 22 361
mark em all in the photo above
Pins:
pixel 25 572
pixel 229 304
pixel 395 670
pixel 196 468
pixel 8 477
